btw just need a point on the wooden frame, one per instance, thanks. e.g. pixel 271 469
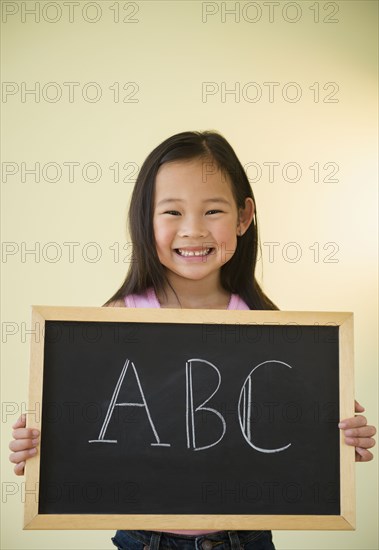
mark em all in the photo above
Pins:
pixel 344 521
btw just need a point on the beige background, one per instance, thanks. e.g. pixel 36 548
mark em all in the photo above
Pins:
pixel 170 50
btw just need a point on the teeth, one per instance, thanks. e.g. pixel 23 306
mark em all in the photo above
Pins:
pixel 193 252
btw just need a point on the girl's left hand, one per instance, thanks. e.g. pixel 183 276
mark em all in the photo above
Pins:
pixel 360 435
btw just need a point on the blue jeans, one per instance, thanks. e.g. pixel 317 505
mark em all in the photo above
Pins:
pixel 222 540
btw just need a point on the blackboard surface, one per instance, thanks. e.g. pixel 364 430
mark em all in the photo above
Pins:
pixel 273 388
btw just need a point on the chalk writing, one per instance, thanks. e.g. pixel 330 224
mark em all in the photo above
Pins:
pixel 190 416
pixel 244 404
pixel 244 407
pixel 113 403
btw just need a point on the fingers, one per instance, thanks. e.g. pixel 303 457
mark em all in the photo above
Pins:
pixel 25 433
pixel 21 456
pixel 358 407
pixel 355 422
pixel 359 435
pixel 363 455
pixel 361 442
pixel 365 431
pixel 20 431
pixel 20 422
pixel 19 469
pixel 357 427
pixel 23 444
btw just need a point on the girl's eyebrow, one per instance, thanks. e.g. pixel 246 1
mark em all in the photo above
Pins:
pixel 214 199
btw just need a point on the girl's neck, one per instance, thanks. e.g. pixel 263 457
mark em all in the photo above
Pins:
pixel 194 295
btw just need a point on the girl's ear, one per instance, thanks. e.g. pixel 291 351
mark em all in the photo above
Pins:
pixel 245 216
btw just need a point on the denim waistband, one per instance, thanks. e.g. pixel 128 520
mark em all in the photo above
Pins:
pixel 157 539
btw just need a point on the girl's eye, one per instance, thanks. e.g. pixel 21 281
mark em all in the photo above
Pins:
pixel 176 213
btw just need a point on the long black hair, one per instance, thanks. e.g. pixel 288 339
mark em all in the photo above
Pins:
pixel 238 274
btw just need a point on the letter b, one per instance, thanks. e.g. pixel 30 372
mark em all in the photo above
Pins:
pixel 190 411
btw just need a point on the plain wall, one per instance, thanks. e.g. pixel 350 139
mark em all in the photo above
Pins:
pixel 285 84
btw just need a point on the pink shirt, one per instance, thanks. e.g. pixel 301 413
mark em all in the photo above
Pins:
pixel 149 299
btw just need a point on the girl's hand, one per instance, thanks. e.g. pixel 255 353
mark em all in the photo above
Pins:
pixel 24 444
pixel 360 435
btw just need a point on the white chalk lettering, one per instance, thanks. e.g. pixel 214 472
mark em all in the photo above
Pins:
pixel 245 406
pixel 190 411
pixel 244 410
pixel 113 403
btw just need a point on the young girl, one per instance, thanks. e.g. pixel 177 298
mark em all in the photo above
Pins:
pixel 193 226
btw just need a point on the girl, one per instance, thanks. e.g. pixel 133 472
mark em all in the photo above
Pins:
pixel 193 225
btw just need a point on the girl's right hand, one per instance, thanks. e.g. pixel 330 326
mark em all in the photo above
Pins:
pixel 24 444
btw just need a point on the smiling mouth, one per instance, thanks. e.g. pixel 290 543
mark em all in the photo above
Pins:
pixel 188 253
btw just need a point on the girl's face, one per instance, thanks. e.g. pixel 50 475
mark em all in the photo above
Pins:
pixel 196 220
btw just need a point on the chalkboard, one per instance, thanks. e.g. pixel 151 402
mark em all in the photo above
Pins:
pixel 191 419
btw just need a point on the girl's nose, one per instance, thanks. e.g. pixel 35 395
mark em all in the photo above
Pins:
pixel 193 228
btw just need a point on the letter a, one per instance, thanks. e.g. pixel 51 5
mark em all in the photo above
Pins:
pixel 113 403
